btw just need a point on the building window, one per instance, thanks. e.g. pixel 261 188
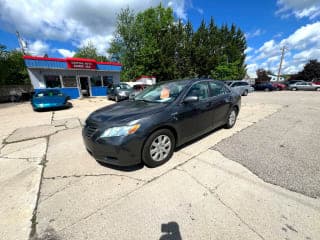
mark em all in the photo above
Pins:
pixel 52 81
pixel 107 81
pixel 96 81
pixel 69 81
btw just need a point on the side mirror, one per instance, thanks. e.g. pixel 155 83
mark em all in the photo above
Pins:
pixel 191 99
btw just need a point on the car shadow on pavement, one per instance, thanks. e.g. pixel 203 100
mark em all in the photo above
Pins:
pixel 141 165
pixel 170 231
pixel 121 168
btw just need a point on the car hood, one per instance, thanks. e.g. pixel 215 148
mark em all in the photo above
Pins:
pixel 124 112
pixel 49 99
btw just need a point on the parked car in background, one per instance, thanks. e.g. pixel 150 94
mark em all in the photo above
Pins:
pixel 49 98
pixel 164 116
pixel 289 82
pixel 265 86
pixel 136 89
pixel 279 86
pixel 119 92
pixel 241 87
pixel 316 82
pixel 306 86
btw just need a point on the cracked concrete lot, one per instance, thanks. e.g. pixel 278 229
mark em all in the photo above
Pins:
pixel 51 188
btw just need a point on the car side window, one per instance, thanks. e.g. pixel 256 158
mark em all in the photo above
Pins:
pixel 217 89
pixel 200 90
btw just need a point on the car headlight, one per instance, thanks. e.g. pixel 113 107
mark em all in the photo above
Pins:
pixel 120 131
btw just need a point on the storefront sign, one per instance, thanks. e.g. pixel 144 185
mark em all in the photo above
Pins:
pixel 81 64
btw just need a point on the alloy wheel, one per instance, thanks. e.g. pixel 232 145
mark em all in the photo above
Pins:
pixel 160 148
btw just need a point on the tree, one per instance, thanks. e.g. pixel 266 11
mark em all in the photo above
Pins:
pixel 12 67
pixel 262 76
pixel 153 43
pixel 311 71
pixel 90 51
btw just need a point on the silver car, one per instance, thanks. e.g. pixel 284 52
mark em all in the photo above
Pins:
pixel 241 87
pixel 307 86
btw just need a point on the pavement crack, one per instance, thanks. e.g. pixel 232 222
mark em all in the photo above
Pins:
pixel 93 175
pixel 33 230
pixel 216 195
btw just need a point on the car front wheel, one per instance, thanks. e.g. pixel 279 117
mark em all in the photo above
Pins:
pixel 158 148
pixel 245 93
pixel 232 118
pixel 294 89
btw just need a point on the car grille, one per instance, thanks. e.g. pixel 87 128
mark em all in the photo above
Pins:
pixel 90 130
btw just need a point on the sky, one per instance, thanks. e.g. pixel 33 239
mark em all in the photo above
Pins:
pixel 58 27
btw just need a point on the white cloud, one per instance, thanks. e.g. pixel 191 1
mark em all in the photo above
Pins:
pixel 255 33
pixel 248 49
pixel 306 36
pixel 251 70
pixel 37 47
pixel 66 53
pixel 299 8
pixel 303 45
pixel 179 8
pixel 73 20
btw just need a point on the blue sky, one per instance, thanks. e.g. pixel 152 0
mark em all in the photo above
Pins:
pixel 59 27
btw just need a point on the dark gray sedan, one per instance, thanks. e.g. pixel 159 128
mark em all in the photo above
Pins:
pixel 164 116
pixel 306 86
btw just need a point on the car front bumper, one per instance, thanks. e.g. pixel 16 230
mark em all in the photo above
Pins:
pixel 48 105
pixel 119 151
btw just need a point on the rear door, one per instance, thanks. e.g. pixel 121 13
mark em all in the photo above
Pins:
pixel 221 102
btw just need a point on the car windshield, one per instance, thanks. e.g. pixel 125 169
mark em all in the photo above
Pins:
pixel 124 86
pixel 162 92
pixel 48 93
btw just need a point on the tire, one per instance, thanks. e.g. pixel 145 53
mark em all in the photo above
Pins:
pixel 266 89
pixel 151 145
pixel 245 93
pixel 294 89
pixel 318 89
pixel 116 98
pixel 233 114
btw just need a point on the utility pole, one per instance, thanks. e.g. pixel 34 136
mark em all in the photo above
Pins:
pixel 283 49
pixel 21 43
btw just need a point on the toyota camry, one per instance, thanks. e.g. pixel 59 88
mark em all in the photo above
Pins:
pixel 149 127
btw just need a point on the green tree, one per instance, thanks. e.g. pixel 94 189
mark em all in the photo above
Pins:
pixel 262 75
pixel 12 67
pixel 153 43
pixel 311 71
pixel 90 51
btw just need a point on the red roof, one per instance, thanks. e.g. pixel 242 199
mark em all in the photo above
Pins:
pixel 71 59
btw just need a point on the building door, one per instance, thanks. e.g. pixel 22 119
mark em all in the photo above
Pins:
pixel 85 86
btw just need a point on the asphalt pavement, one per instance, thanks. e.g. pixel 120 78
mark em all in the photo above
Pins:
pixel 282 149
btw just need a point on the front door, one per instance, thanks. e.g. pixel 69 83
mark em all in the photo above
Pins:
pixel 195 118
pixel 84 86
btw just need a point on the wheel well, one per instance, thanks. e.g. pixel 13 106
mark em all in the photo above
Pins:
pixel 237 108
pixel 171 129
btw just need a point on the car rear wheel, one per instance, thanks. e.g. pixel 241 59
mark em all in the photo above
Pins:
pixel 245 93
pixel 294 89
pixel 158 148
pixel 266 89
pixel 232 118
pixel 318 89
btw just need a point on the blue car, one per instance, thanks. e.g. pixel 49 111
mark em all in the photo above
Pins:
pixel 49 98
pixel 264 86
